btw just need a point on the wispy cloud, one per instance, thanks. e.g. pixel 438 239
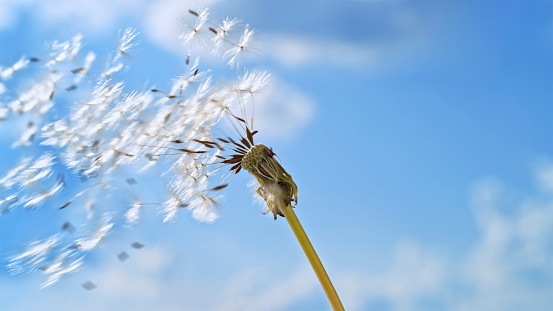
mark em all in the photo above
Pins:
pixel 507 268
pixel 282 110
pixel 294 51
pixel 97 16
pixel 253 290
pixel 414 274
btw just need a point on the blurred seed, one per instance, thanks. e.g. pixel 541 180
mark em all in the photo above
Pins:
pixel 88 285
pixel 65 205
pixel 123 256
pixel 67 226
pixel 137 245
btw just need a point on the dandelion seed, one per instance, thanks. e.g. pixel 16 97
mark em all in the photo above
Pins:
pixel 83 71
pixel 67 226
pixel 27 136
pixel 123 256
pixel 137 245
pixel 38 199
pixel 34 255
pixel 172 206
pixel 222 33
pixel 235 53
pixel 62 51
pixel 88 285
pixel 71 88
pixel 7 204
pixel 59 268
pixel 126 43
pixel 104 228
pixel 194 33
pixel 7 73
pixel 133 214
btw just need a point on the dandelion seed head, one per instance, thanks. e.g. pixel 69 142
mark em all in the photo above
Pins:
pixel 276 185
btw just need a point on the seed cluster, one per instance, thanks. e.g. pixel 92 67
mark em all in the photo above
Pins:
pixel 96 131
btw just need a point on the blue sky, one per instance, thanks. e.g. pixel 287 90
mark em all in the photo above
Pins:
pixel 419 134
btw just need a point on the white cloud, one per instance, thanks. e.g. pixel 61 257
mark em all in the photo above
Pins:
pixel 509 267
pixel 100 16
pixel 159 22
pixel 94 15
pixel 282 110
pixel 253 290
pixel 293 51
pixel 414 274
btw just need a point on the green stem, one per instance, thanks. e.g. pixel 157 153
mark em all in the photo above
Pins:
pixel 312 257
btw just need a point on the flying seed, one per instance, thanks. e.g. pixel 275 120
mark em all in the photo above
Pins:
pixel 220 187
pixel 137 245
pixel 81 70
pixel 88 285
pixel 65 205
pixel 123 256
pixel 67 226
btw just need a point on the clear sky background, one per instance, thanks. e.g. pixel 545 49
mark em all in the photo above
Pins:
pixel 419 134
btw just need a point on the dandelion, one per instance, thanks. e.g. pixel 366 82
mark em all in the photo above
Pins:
pixel 200 131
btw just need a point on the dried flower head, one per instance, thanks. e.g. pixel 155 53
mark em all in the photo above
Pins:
pixel 276 185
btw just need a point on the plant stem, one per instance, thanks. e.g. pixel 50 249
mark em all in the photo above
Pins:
pixel 312 257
